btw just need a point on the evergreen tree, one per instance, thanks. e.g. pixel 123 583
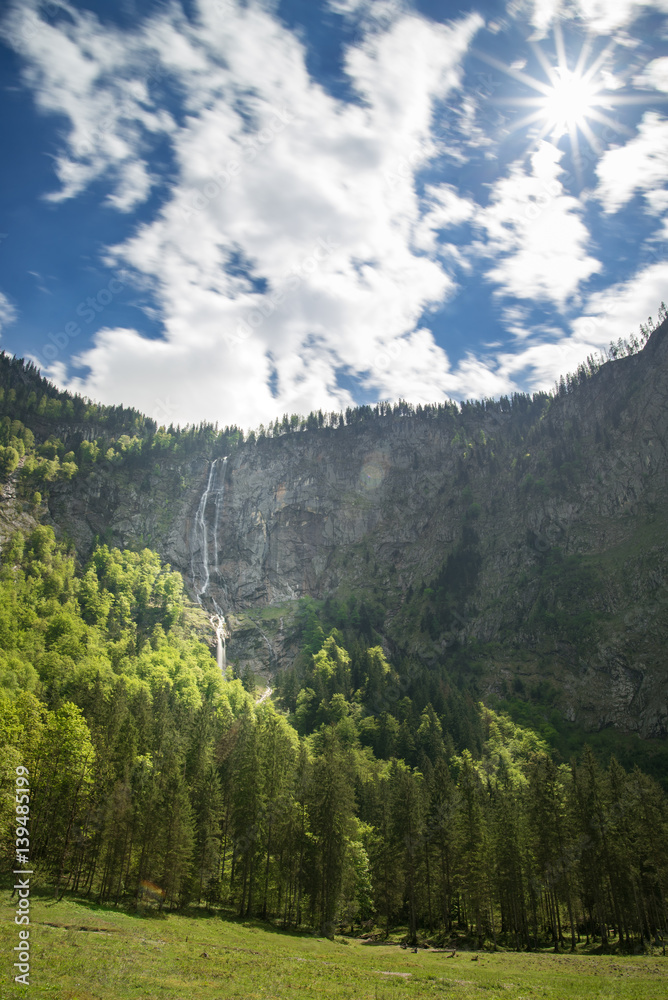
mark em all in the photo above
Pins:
pixel 331 809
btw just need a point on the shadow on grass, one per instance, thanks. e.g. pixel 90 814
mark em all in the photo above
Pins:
pixel 225 915
pixel 148 911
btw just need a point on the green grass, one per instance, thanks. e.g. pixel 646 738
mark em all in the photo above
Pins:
pixel 272 612
pixel 84 952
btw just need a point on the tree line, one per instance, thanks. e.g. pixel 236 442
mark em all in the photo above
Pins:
pixel 87 432
pixel 356 798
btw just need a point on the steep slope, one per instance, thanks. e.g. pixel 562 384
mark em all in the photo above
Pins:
pixel 523 539
pixel 540 536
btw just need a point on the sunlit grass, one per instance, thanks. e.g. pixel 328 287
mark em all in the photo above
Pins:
pixel 81 952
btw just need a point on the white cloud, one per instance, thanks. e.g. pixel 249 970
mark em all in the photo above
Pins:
pixel 544 13
pixel 446 208
pixel 98 79
pixel 655 74
pixel 379 13
pixel 133 188
pixel 606 316
pixel 604 17
pixel 619 309
pixel 600 16
pixel 7 312
pixel 535 234
pixel 277 183
pixel 516 319
pixel 657 201
pixel 274 175
pixel 639 165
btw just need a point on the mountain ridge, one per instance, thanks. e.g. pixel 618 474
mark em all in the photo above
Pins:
pixel 525 536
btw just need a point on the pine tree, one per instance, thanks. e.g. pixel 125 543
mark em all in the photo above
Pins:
pixel 331 809
pixel 473 840
pixel 247 808
pixel 278 751
pixel 385 854
pixel 407 796
pixel 442 821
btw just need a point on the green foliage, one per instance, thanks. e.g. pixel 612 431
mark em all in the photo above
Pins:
pixel 51 436
pixel 120 620
pixel 442 602
pixel 9 459
pixel 568 740
pixel 385 792
pixel 568 588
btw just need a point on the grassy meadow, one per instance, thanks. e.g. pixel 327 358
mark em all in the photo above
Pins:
pixel 84 952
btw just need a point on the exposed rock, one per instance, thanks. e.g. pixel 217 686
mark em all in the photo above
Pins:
pixel 377 507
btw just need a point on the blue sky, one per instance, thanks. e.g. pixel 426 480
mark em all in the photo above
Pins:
pixel 227 210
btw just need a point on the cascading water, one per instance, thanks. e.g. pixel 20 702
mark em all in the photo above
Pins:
pixel 222 634
pixel 220 493
pixel 201 541
pixel 200 546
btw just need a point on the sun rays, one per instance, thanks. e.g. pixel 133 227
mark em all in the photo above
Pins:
pixel 570 101
pixel 576 96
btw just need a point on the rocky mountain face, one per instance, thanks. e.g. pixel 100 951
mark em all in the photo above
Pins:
pixel 532 534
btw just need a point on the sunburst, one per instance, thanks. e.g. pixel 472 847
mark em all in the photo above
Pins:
pixel 572 99
pixel 569 103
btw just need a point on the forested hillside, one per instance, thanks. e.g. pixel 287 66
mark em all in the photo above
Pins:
pixel 348 801
pixel 74 433
pixel 461 612
pixel 516 545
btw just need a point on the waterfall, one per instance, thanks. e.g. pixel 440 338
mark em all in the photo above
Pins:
pixel 200 544
pixel 202 537
pixel 272 654
pixel 222 634
pixel 220 493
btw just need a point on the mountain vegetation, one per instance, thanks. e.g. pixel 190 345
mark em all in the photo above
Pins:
pixel 92 432
pixel 416 768
pixel 349 802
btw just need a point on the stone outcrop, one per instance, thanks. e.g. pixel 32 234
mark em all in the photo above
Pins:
pixel 376 508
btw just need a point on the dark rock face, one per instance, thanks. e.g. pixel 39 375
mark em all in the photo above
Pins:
pixel 378 507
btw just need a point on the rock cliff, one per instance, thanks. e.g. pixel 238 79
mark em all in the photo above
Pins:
pixel 532 533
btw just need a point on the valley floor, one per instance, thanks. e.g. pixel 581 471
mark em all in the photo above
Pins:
pixel 81 951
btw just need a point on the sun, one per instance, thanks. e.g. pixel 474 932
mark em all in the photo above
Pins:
pixel 572 99
pixel 569 100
